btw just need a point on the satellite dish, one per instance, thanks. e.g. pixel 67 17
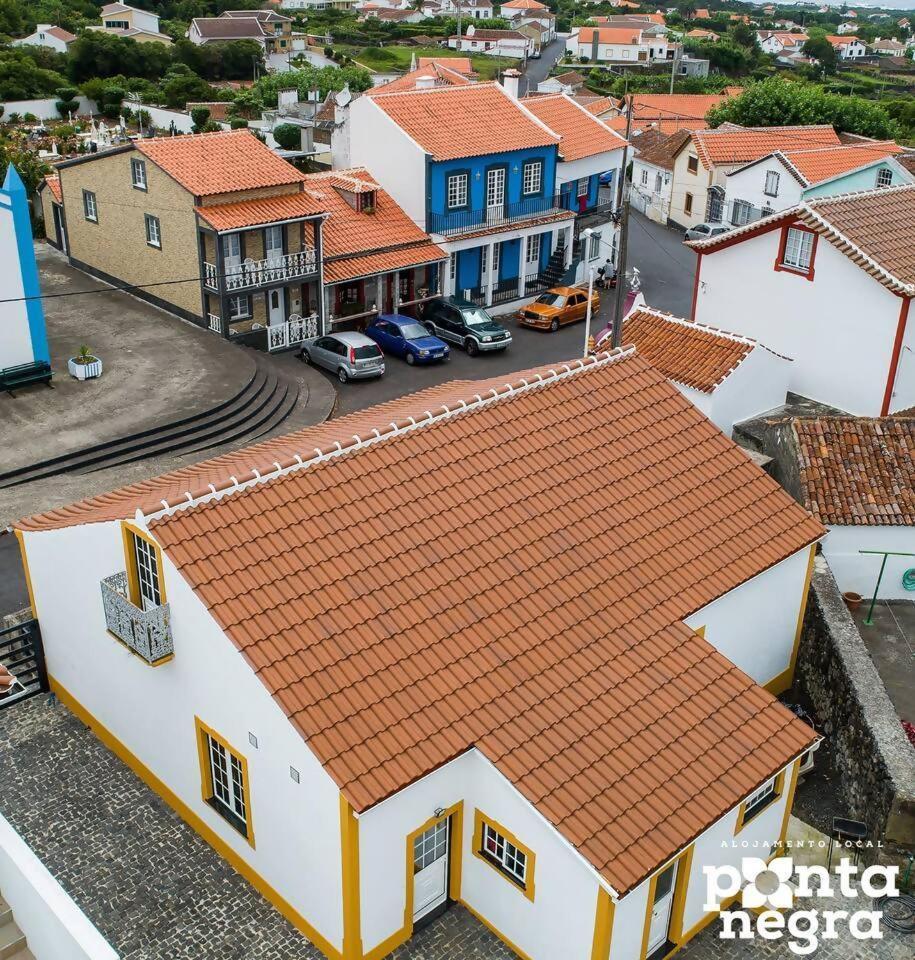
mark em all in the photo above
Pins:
pixel 343 96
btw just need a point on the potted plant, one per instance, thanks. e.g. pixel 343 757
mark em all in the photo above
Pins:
pixel 84 366
pixel 852 600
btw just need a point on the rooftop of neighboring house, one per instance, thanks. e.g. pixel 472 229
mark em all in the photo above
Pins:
pixel 664 126
pixel 703 35
pixel 465 121
pixel 525 5
pixel 583 135
pixel 57 32
pixel 265 16
pixel 595 104
pixel 888 45
pixel 359 243
pixel 480 34
pixel 229 28
pixel 581 684
pixel 206 164
pixel 571 78
pixel 111 8
pixel 785 39
pixel 52 182
pixel 875 229
pixel 460 65
pixel 614 35
pixel 674 106
pixel 385 13
pixel 842 41
pixel 730 143
pixel 441 75
pixel 858 471
pixel 693 354
pixel 129 31
pixel 816 164
pixel 661 148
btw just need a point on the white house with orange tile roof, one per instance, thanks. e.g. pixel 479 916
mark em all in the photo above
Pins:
pixel 316 683
pixel 780 43
pixel 521 13
pixel 848 48
pixel 816 271
pixel 728 377
pixel 626 46
pixel 493 42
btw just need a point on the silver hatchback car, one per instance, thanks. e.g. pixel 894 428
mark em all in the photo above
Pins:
pixel 351 356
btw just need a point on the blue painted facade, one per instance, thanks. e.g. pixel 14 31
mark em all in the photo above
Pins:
pixel 14 204
pixel 864 179
pixel 569 193
pixel 468 274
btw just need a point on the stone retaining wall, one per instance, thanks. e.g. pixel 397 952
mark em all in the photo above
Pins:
pixel 875 760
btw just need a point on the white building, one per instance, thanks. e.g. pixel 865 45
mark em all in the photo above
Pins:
pixel 652 172
pixel 495 43
pixel 857 476
pixel 623 45
pixel 530 12
pixel 847 27
pixel 781 44
pixel 316 683
pixel 729 378
pixel 848 48
pixel 827 283
pixel 126 21
pixel 47 35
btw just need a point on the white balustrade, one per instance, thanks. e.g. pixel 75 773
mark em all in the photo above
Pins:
pixel 256 273
pixel 281 336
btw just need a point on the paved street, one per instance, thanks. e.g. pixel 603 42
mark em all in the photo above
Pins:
pixel 537 70
pixel 668 268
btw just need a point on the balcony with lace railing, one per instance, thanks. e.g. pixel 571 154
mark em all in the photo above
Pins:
pixel 261 273
pixel 453 222
pixel 148 633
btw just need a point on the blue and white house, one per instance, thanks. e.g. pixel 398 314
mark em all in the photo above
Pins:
pixel 477 171
pixel 23 338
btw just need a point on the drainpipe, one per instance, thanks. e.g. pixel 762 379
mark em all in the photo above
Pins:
pixel 894 359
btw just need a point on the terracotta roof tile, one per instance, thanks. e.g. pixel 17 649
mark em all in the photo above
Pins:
pixel 674 106
pixel 664 126
pixel 458 64
pixel 53 184
pixel 822 163
pixel 629 732
pixel 61 34
pixel 595 105
pixel 690 353
pixel 583 135
pixel 442 75
pixel 249 213
pixel 732 144
pixel 858 471
pixel 661 149
pixel 224 162
pixel 609 35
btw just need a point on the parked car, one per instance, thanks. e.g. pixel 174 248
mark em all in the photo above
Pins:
pixel 351 356
pixel 406 338
pixel 705 230
pixel 464 323
pixel 606 178
pixel 557 307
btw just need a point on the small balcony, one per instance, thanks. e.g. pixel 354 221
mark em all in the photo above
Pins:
pixel 455 222
pixel 262 273
pixel 148 633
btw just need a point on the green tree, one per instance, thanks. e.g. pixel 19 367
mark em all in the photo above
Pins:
pixel 67 103
pixel 288 136
pixel 181 84
pixel 239 60
pixel 322 79
pixel 200 116
pixel 22 79
pixel 31 169
pixel 821 49
pixel 778 102
pixel 247 105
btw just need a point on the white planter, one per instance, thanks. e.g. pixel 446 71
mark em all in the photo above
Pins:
pixel 84 371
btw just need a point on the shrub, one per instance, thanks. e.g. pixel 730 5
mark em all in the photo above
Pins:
pixel 237 123
pixel 288 136
pixel 200 116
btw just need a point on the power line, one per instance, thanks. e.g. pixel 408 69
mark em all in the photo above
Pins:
pixel 112 289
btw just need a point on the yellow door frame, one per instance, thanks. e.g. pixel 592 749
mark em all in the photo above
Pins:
pixel 675 933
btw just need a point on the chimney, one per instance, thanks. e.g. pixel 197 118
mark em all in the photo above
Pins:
pixel 425 82
pixel 510 81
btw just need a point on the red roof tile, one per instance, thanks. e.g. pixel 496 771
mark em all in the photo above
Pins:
pixel 583 135
pixel 464 121
pixel 459 64
pixel 224 162
pixel 674 106
pixel 627 731
pixel 442 75
pixel 823 163
pixel 53 184
pixel 615 35
pixel 732 144
pixel 250 213
pixel 858 471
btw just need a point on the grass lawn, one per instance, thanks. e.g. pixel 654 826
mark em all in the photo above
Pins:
pixel 394 58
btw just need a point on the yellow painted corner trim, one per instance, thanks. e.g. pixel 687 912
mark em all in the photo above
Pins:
pixel 803 608
pixel 28 575
pixel 352 911
pixel 603 925
pixel 202 731
pixel 700 631
pixel 742 812
pixel 195 822
pixel 646 926
pixel 479 818
pixel 684 861
pixel 508 943
pixel 789 802
pixel 780 682
pixel 128 531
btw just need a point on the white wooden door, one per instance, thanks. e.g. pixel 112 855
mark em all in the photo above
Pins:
pixel 430 869
pixel 231 252
pixel 661 908
pixel 274 243
pixel 276 312
pixel 495 193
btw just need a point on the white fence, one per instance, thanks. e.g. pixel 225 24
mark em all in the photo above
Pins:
pixel 281 336
pixel 55 927
pixel 45 109
pixel 162 118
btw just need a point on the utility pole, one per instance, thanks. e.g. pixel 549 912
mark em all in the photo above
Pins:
pixel 617 334
pixel 673 66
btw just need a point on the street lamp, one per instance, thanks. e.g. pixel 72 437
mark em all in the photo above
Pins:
pixel 585 244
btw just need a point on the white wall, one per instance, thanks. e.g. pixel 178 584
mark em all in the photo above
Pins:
pixel 54 926
pixel 759 383
pixel 15 336
pixel 151 711
pixel 598 163
pixel 45 109
pixel 400 166
pixel 754 625
pixel 840 358
pixel 560 920
pixel 903 395
pixel 655 205
pixel 749 185
pixel 161 117
pixel 858 572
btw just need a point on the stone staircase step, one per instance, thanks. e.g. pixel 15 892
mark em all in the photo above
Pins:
pixel 12 940
pixel 6 914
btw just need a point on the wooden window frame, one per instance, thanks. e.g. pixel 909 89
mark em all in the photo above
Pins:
pixel 204 734
pixel 527 887
pixel 692 164
pixel 128 532
pixel 748 813
pixel 534 170
pixel 138 166
pixel 781 266
pixel 688 204
pixel 457 175
pixel 148 221
pixel 90 197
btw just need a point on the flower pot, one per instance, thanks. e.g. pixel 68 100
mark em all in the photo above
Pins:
pixel 852 600
pixel 85 371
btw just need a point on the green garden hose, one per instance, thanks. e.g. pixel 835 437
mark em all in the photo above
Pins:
pixel 908 579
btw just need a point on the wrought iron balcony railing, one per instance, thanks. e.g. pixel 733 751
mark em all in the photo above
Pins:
pixel 258 273
pixel 464 221
pixel 147 632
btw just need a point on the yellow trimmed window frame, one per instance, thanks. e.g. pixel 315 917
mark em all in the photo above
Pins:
pixel 761 799
pixel 500 849
pixel 224 781
pixel 143 563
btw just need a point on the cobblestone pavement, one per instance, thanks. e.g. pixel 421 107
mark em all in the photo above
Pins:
pixel 157 891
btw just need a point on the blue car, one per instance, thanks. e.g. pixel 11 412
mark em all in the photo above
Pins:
pixel 606 178
pixel 404 337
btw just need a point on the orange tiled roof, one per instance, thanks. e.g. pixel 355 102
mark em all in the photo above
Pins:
pixel 250 213
pixel 609 35
pixel 690 353
pixel 524 5
pixel 822 163
pixel 583 135
pixel 841 41
pixel 858 471
pixel 358 244
pixel 224 162
pixel 53 184
pixel 674 106
pixel 665 126
pixel 595 105
pixel 732 144
pixel 458 64
pixel 579 682
pixel 442 75
pixel 464 121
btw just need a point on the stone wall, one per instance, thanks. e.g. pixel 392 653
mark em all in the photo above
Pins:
pixel 875 760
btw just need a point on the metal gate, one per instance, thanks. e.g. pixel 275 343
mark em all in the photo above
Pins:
pixel 282 336
pixel 22 654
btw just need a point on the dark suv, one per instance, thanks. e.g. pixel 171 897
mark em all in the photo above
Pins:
pixel 464 323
